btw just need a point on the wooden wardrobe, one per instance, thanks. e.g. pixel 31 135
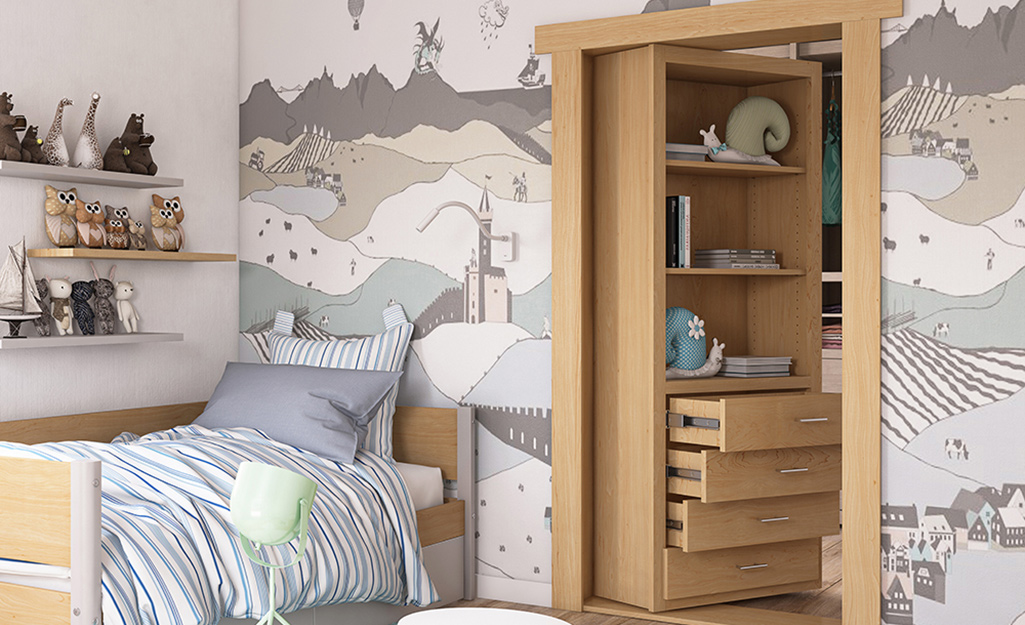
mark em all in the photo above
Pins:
pixel 652 515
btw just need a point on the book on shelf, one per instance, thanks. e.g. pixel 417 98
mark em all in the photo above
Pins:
pixel 685 152
pixel 684 260
pixel 672 232
pixel 717 256
pixel 698 264
pixel 772 368
pixel 756 360
pixel 783 374
pixel 760 252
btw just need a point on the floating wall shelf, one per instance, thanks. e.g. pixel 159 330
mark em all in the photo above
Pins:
pixel 75 175
pixel 77 340
pixel 108 254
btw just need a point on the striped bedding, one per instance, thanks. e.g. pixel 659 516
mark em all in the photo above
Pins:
pixel 170 552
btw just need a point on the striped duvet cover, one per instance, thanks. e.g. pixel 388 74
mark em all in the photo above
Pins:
pixel 171 555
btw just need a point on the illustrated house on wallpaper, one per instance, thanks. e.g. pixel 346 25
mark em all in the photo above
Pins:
pixel 930 581
pixel 898 609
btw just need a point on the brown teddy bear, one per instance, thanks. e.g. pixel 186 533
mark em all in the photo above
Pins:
pixel 32 144
pixel 10 125
pixel 130 152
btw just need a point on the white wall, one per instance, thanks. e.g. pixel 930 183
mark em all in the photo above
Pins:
pixel 176 61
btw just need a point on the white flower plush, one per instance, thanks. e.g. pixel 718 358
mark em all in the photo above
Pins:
pixel 697 328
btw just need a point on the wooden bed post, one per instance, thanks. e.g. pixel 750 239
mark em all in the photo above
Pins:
pixel 466 434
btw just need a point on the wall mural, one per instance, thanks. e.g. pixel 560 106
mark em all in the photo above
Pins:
pixel 953 345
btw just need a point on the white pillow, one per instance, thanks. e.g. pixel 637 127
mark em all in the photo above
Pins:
pixel 381 352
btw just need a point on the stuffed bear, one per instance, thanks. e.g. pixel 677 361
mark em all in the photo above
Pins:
pixel 42 322
pixel 81 293
pixel 10 125
pixel 134 150
pixel 33 145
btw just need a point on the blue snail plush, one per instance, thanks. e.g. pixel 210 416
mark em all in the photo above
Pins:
pixel 685 339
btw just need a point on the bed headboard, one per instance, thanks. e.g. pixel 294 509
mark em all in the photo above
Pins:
pixel 425 436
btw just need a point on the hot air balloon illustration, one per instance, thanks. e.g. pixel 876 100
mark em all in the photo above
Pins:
pixel 355 10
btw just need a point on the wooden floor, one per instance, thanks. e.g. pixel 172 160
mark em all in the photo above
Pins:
pixel 826 602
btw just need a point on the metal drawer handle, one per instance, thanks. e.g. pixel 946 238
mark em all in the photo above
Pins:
pixel 814 420
pixel 802 470
pixel 751 567
pixel 775 519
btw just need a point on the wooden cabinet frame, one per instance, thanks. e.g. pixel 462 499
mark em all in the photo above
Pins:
pixel 722 27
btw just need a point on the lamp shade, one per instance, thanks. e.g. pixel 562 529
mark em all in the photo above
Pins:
pixel 269 505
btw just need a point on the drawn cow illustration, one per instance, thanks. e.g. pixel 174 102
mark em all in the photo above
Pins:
pixel 956 449
pixel 941 329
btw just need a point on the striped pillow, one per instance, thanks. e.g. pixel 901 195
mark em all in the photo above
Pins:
pixel 381 352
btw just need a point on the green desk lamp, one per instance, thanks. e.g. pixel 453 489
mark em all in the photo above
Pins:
pixel 271 506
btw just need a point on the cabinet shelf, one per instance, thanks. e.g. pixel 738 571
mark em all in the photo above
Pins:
pixel 728 170
pixel 720 384
pixel 108 254
pixel 75 175
pixel 77 340
pixel 832 276
pixel 767 273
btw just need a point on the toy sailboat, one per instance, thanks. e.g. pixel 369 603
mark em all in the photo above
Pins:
pixel 19 300
pixel 529 77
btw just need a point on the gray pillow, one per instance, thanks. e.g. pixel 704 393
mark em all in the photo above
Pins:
pixel 325 411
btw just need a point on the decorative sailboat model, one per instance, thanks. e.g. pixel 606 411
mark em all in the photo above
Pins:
pixel 19 300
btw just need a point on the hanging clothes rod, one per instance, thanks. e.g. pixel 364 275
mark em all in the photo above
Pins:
pixel 833 74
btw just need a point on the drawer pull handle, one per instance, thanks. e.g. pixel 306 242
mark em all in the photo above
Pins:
pixel 801 470
pixel 814 420
pixel 751 567
pixel 775 519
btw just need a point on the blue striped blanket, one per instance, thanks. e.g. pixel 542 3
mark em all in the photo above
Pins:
pixel 171 554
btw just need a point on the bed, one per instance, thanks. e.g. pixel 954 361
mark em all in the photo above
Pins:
pixel 49 514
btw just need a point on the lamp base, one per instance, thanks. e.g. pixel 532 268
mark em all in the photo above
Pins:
pixel 272 614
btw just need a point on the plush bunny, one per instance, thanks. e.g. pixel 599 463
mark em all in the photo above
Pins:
pixel 60 305
pixel 61 207
pixel 42 322
pixel 90 223
pixel 116 225
pixel 125 311
pixel 165 217
pixel 81 292
pixel 104 290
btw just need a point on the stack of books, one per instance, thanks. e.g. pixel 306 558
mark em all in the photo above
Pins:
pixel 678 232
pixel 735 259
pixel 755 366
pixel 685 152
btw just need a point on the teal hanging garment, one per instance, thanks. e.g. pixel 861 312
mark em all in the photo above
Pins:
pixel 832 171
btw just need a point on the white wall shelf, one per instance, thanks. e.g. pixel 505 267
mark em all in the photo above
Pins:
pixel 77 340
pixel 75 175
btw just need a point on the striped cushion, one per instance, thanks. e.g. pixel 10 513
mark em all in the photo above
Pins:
pixel 382 352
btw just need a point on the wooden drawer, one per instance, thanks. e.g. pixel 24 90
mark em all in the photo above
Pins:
pixel 716 476
pixel 741 568
pixel 744 423
pixel 703 526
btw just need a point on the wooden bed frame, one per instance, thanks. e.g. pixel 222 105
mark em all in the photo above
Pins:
pixel 38 497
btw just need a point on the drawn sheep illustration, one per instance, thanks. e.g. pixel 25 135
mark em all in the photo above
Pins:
pixel 293 255
pixel 889 244
pixel 270 259
pixel 923 239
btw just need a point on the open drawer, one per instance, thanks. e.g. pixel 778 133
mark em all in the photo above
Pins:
pixel 716 476
pixel 693 525
pixel 743 568
pixel 746 422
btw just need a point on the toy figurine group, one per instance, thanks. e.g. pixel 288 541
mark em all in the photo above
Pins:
pixel 128 153
pixel 87 303
pixel 70 221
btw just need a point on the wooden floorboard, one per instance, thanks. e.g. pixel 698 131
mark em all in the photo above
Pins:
pixel 826 602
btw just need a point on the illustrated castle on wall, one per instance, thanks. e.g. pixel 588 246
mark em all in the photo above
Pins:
pixel 486 295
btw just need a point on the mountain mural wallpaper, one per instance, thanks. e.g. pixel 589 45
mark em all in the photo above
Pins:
pixel 354 125
pixel 953 343
pixel 349 137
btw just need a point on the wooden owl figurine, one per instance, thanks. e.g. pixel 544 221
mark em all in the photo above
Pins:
pixel 90 223
pixel 117 227
pixel 165 217
pixel 61 207
pixel 137 234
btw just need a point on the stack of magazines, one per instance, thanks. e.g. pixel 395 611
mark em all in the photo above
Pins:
pixel 736 259
pixel 685 152
pixel 755 366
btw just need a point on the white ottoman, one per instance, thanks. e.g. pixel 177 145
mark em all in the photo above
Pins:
pixel 477 616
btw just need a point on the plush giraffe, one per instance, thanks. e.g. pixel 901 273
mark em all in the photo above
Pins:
pixel 87 152
pixel 54 147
